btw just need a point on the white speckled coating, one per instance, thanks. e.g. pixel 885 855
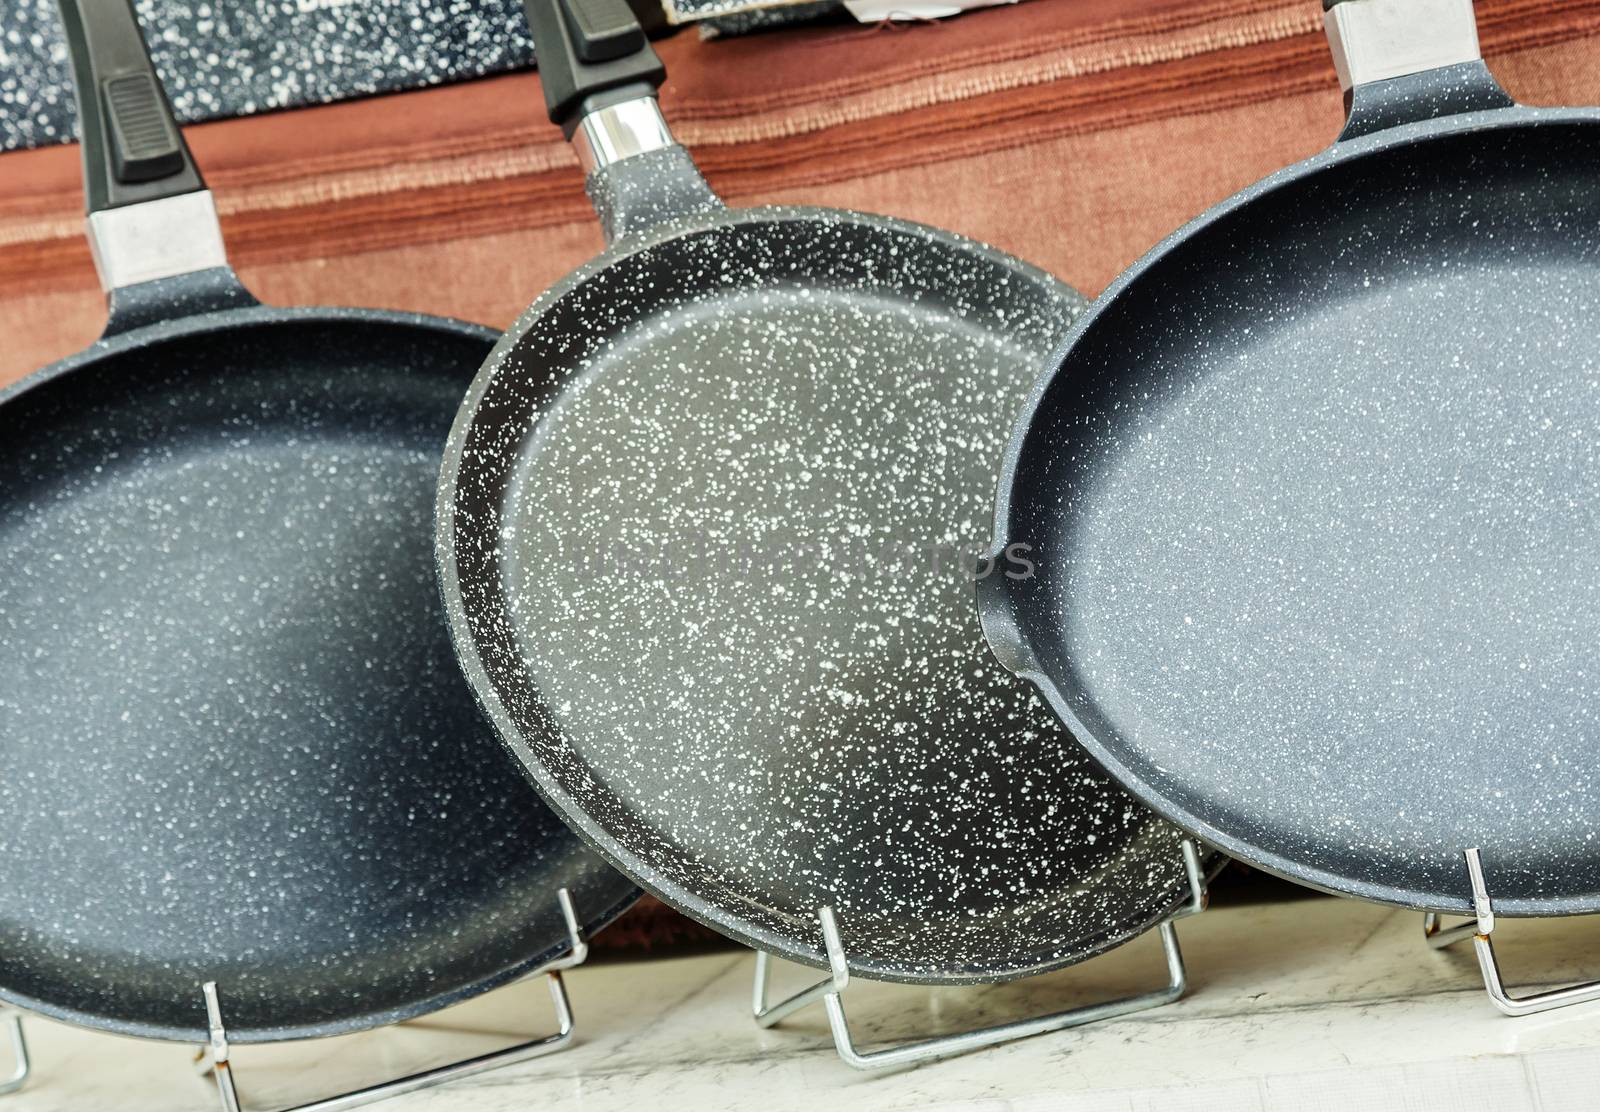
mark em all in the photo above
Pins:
pixel 664 520
pixel 234 744
pixel 1315 494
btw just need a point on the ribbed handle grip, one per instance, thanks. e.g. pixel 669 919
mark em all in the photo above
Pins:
pixel 132 148
pixel 603 30
pixel 592 53
pixel 144 142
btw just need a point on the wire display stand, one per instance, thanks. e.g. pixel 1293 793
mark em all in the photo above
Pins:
pixel 11 1020
pixel 830 990
pixel 1480 928
pixel 214 1058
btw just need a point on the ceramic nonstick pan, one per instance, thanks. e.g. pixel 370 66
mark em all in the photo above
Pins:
pixel 1313 495
pixel 234 744
pixel 700 524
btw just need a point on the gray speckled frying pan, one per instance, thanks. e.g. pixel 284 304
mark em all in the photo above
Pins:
pixel 1314 493
pixel 234 744
pixel 698 525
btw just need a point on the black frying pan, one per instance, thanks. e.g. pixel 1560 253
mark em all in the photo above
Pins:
pixel 1315 495
pixel 234 745
pixel 698 525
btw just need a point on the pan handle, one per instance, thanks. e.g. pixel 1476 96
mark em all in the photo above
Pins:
pixel 152 226
pixel 1403 61
pixel 600 77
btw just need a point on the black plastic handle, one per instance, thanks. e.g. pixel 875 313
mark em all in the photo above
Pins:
pixel 591 53
pixel 132 148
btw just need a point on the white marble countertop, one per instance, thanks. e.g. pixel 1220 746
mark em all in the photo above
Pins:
pixel 1306 1006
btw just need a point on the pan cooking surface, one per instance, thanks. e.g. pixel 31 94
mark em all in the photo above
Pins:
pixel 729 567
pixel 1318 504
pixel 234 742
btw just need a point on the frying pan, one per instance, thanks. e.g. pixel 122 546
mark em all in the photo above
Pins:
pixel 233 744
pixel 1313 488
pixel 690 528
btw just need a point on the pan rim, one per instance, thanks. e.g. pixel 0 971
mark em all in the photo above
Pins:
pixel 672 893
pixel 1372 145
pixel 368 1021
pixel 198 324
pixel 258 315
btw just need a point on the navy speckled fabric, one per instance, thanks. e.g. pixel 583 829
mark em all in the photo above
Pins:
pixel 219 60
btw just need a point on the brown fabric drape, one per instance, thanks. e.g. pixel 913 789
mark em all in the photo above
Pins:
pixel 1072 132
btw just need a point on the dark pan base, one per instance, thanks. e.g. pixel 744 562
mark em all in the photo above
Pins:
pixel 234 741
pixel 756 691
pixel 1317 500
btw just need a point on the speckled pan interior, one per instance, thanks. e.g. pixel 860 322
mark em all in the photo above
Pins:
pixel 234 742
pixel 1316 498
pixel 698 536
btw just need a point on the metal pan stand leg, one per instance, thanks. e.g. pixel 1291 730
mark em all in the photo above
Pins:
pixel 222 1070
pixel 11 1020
pixel 1438 936
pixel 1481 943
pixel 830 990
